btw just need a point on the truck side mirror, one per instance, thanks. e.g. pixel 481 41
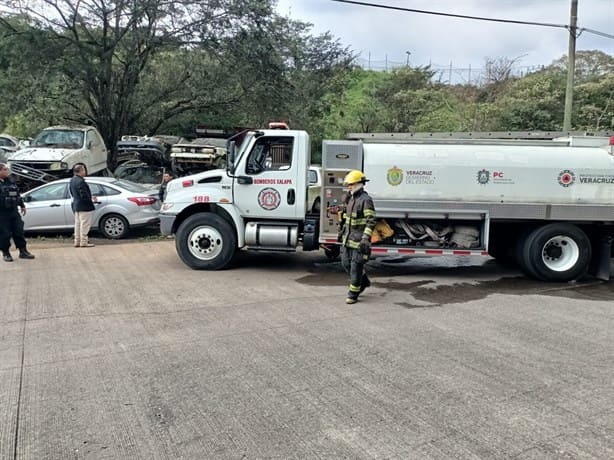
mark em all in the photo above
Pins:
pixel 230 156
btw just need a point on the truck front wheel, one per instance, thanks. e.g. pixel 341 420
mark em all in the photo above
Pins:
pixel 557 252
pixel 206 241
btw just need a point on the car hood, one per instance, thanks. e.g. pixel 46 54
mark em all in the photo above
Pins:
pixel 41 154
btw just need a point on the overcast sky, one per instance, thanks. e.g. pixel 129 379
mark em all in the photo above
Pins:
pixel 385 36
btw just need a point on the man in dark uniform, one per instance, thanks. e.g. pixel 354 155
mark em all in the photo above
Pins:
pixel 355 236
pixel 11 224
pixel 166 178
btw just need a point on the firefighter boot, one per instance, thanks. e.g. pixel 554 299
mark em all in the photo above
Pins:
pixel 364 283
pixel 352 297
pixel 24 254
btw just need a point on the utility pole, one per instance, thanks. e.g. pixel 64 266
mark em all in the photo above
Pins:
pixel 571 65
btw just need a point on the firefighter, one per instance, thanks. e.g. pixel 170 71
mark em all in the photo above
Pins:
pixel 358 222
pixel 11 224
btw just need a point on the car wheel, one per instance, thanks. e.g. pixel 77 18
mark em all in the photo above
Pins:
pixel 114 226
pixel 557 252
pixel 206 241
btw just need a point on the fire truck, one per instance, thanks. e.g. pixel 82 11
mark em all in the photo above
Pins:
pixel 543 200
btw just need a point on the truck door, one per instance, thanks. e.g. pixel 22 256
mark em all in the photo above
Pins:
pixel 267 182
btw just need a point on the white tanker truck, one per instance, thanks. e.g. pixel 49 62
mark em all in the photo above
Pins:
pixel 544 200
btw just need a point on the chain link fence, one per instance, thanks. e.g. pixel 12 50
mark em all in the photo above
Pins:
pixel 448 74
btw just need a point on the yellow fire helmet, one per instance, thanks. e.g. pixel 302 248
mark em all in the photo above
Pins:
pixel 354 176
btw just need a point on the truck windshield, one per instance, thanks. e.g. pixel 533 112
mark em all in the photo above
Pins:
pixel 59 138
pixel 240 150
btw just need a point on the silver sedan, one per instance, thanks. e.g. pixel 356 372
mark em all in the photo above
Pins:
pixel 121 205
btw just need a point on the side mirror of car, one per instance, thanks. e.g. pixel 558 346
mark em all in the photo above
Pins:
pixel 27 198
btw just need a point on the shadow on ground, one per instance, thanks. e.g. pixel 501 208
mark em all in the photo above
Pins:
pixel 55 239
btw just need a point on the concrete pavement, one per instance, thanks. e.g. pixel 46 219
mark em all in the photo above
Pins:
pixel 122 352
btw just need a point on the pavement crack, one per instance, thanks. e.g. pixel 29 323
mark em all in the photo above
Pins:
pixel 21 371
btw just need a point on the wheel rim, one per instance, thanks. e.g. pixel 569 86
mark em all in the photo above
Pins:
pixel 560 253
pixel 205 243
pixel 114 227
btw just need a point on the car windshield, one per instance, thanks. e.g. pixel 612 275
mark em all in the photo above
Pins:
pixel 130 186
pixel 59 138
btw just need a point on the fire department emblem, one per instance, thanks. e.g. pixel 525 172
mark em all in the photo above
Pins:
pixel 566 178
pixel 269 199
pixel 394 176
pixel 483 177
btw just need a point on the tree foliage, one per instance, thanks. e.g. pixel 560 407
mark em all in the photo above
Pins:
pixel 407 99
pixel 146 65
pixel 164 67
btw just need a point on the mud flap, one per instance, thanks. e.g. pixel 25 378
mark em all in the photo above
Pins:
pixel 600 267
pixel 311 233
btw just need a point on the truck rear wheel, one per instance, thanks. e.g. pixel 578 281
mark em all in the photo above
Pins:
pixel 524 262
pixel 206 241
pixel 557 252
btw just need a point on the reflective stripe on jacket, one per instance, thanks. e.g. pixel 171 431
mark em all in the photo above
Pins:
pixel 358 219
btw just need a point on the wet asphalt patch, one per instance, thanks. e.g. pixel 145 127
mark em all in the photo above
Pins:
pixel 441 285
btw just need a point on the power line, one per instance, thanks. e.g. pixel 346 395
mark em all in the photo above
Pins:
pixel 462 16
pixel 596 32
pixel 476 18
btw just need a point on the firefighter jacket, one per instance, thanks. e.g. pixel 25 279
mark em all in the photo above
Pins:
pixel 10 199
pixel 358 219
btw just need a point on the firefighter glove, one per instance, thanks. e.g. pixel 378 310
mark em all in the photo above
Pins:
pixel 365 246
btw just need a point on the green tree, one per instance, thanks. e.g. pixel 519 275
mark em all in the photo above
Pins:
pixel 30 81
pixel 534 102
pixel 589 65
pixel 594 104
pixel 140 65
